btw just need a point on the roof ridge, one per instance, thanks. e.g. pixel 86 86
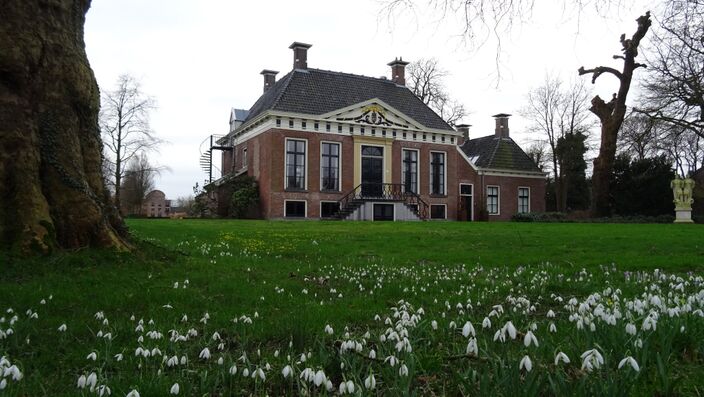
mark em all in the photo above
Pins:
pixel 382 79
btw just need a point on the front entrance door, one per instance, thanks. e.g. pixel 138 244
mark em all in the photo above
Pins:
pixel 372 171
pixel 466 197
pixel 468 206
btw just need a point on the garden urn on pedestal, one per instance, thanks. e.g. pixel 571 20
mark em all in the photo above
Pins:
pixel 682 192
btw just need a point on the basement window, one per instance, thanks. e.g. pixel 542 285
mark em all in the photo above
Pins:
pixel 295 209
pixel 437 212
pixel 329 209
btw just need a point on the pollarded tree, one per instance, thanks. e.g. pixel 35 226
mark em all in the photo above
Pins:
pixel 124 121
pixel 612 113
pixel 51 185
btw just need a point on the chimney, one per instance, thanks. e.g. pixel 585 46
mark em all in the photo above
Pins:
pixel 501 125
pixel 300 54
pixel 464 129
pixel 398 71
pixel 269 78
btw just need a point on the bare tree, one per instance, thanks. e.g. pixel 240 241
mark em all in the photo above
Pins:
pixel 554 112
pixel 639 136
pixel 537 151
pixel 483 19
pixel 611 115
pixel 425 80
pixel 124 121
pixel 52 190
pixel 673 91
pixel 186 204
pixel 138 181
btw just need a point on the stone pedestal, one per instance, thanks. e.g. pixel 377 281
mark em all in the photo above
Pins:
pixel 683 216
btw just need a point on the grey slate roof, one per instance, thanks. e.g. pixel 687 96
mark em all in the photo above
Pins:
pixel 316 92
pixel 498 153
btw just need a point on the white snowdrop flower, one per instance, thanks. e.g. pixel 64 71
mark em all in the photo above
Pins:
pixel 530 338
pixel 156 352
pixel 99 315
pixel 372 354
pixel 500 335
pixel 382 338
pixel 171 362
pixel 106 322
pixel 220 361
pixel 682 329
pixel 286 372
pixel 91 381
pixel 403 370
pixel 140 339
pixel 245 372
pixel 592 359
pixel 525 364
pixel 468 329
pixel 631 329
pixel 561 357
pixel 452 325
pixel 592 327
pixel 631 362
pixel 551 314
pixel 434 325
pixel 350 387
pixel 62 328
pixel 638 343
pixel 391 360
pixel 329 386
pixel 329 330
pixel 486 323
pixel 81 383
pixel 511 330
pixel 303 358
pixel 176 285
pixel 233 369
pixel 103 390
pixel 370 382
pixel 184 318
pixel 472 348
pixel 649 323
pixel 3 384
pixel 92 356
pixel 204 354
pixel 259 373
pixel 216 336
pixel 175 389
pixel 552 328
pixel 319 378
pixel 133 393
pixel 118 357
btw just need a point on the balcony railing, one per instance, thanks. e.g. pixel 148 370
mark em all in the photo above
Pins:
pixel 385 192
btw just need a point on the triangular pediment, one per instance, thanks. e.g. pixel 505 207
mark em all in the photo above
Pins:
pixel 373 112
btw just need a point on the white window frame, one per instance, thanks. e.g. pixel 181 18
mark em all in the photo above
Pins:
pixel 498 200
pixel 431 212
pixel 305 209
pixel 305 162
pixel 430 174
pixel 339 166
pixel 518 204
pixel 418 168
pixel 320 210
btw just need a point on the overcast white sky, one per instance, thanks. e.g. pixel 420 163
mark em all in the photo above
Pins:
pixel 201 58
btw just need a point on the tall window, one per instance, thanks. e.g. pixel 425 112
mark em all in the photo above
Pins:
pixel 523 200
pixel 244 157
pixel 330 166
pixel 492 200
pixel 295 164
pixel 410 171
pixel 437 173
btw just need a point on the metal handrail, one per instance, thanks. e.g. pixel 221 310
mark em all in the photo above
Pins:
pixel 386 191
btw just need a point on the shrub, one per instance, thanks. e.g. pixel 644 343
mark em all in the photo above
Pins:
pixel 245 198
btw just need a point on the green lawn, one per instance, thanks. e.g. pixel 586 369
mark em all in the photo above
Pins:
pixel 270 289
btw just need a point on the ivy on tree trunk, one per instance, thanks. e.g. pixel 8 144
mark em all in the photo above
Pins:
pixel 51 187
pixel 611 115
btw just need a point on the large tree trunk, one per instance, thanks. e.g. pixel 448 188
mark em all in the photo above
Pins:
pixel 51 188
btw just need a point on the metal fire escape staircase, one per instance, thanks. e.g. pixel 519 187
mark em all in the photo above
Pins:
pixel 206 155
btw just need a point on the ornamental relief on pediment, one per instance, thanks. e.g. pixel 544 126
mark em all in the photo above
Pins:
pixel 374 115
